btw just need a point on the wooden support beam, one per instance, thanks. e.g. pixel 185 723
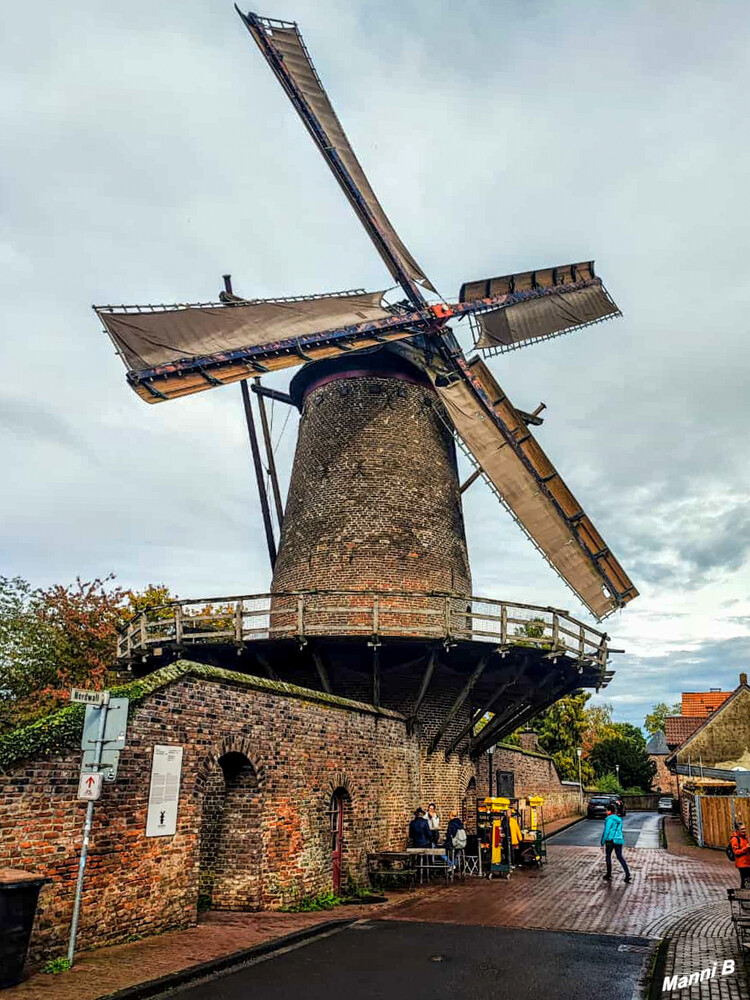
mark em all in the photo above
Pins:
pixel 552 691
pixel 270 540
pixel 472 479
pixel 270 459
pixel 426 678
pixel 376 674
pixel 322 672
pixel 280 397
pixel 467 730
pixel 465 692
pixel 272 675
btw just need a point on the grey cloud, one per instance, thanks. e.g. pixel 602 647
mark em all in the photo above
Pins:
pixel 153 151
pixel 641 681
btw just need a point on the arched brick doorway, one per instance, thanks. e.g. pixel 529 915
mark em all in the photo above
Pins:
pixel 339 824
pixel 230 838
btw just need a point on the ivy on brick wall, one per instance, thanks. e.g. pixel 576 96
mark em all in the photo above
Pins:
pixel 60 731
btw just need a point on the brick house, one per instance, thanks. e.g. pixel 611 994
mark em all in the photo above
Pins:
pixel 267 768
pixel 695 708
pixel 722 736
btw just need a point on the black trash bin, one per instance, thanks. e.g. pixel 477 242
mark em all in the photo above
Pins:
pixel 19 893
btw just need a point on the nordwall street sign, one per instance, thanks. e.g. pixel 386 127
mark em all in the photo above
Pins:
pixel 81 697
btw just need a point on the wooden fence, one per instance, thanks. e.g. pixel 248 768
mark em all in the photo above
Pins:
pixel 711 818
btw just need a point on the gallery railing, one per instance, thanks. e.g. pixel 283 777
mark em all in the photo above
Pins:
pixel 447 618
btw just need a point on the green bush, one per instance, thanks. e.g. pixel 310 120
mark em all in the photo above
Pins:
pixel 310 904
pixel 609 783
pixel 55 966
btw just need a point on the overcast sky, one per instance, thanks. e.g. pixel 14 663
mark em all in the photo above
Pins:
pixel 148 149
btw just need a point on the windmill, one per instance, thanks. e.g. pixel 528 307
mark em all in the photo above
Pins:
pixel 386 395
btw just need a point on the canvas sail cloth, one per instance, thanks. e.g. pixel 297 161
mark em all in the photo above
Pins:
pixel 548 511
pixel 556 312
pixel 286 43
pixel 148 339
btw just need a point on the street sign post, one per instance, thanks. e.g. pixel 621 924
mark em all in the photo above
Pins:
pixel 107 765
pixel 102 739
pixel 90 785
pixel 115 724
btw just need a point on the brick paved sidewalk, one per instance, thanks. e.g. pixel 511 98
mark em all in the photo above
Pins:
pixel 570 894
pixel 701 937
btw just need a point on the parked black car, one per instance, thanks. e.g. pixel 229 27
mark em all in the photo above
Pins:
pixel 598 806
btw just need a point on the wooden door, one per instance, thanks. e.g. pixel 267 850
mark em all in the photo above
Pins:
pixel 337 837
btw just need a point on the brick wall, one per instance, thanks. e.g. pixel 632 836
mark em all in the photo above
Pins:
pixel 535 774
pixel 261 761
pixel 373 500
pixel 664 781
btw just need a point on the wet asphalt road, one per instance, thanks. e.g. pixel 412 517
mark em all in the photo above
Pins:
pixel 641 829
pixel 395 960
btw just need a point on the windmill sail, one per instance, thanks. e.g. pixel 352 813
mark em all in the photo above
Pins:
pixel 286 53
pixel 568 298
pixel 531 488
pixel 181 349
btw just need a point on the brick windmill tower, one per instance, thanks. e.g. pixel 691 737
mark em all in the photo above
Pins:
pixel 372 561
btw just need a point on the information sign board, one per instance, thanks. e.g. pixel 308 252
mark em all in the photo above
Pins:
pixel 164 793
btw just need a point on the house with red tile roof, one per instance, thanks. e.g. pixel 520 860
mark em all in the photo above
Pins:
pixel 696 706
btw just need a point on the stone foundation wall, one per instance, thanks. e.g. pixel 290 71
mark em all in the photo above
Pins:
pixel 261 761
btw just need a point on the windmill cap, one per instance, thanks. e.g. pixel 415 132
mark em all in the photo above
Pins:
pixel 363 364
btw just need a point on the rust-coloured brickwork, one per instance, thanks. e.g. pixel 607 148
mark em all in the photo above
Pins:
pixel 260 764
pixel 374 500
pixel 535 774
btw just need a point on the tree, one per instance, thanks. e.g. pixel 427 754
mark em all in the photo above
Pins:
pixel 654 721
pixel 60 637
pixel 561 728
pixel 635 767
pixel 598 725
pixel 628 732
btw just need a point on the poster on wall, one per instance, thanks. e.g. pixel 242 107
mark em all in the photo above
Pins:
pixel 164 794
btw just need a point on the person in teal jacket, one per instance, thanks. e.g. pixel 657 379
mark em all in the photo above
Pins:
pixel 613 840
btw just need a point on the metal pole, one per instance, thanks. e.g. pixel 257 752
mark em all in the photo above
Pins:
pixel 271 461
pixel 580 783
pixel 270 541
pixel 87 832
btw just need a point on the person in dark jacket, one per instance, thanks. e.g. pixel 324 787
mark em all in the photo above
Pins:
pixel 454 825
pixel 419 830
